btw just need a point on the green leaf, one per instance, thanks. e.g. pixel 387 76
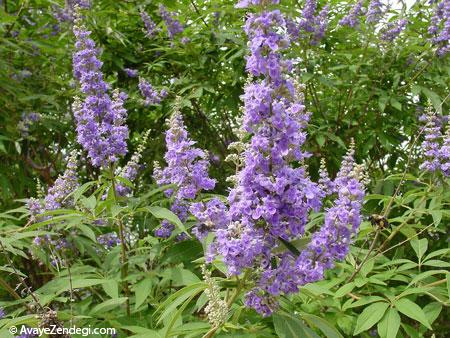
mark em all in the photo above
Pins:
pixel 343 290
pixel 164 213
pixel 111 288
pixel 388 327
pixel 412 310
pixel 143 289
pixel 432 311
pixel 108 305
pixel 288 326
pixel 420 247
pixel 328 330
pixel 370 316
pixel 364 301
pixel 171 303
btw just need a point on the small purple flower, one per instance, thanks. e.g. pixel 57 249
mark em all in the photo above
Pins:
pixel 440 28
pixel 187 168
pixel 173 25
pixel 393 29
pixel 151 95
pixel 374 12
pixel 100 119
pixel 2 313
pixel 352 18
pixel 57 195
pixel 108 240
pixel 150 26
pixel 26 122
pixel 131 72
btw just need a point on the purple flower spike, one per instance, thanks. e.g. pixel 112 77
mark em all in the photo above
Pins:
pixel 100 119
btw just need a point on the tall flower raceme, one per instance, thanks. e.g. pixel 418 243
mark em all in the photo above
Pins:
pixel 273 195
pixel 150 94
pixel 149 24
pixel 131 169
pixel 435 146
pixel 352 18
pixel 393 30
pixel 58 196
pixel 445 153
pixel 67 13
pixel 173 25
pixel 374 12
pixel 187 169
pixel 310 24
pixel 100 118
pixel 440 28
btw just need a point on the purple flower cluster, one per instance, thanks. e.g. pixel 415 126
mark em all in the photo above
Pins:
pixel 436 146
pixel 173 25
pixel 352 18
pixel 100 119
pixel 329 244
pixel 310 24
pixel 273 195
pixel 440 27
pixel 211 216
pixel 57 197
pixel 68 12
pixel 149 24
pixel 64 185
pixel 265 45
pixel 374 12
pixel 187 169
pixel 2 313
pixel 131 72
pixel 130 171
pixel 248 3
pixel 108 240
pixel 393 29
pixel 26 122
pixel 151 95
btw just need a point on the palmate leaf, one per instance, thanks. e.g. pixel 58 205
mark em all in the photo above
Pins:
pixel 412 310
pixel 390 324
pixel 288 326
pixel 370 316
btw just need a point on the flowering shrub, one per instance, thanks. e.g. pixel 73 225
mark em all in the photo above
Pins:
pixel 254 168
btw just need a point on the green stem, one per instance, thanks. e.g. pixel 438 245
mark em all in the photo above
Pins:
pixel 124 267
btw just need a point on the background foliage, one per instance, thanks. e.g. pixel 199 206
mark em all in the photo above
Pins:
pixel 357 86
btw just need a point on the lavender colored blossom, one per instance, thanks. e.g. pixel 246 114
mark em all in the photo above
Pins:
pixel 26 122
pixel 151 95
pixel 149 24
pixel 431 144
pixel 67 13
pixel 248 3
pixel 273 195
pixel 2 313
pixel 352 18
pixel 173 25
pixel 108 240
pixel 131 72
pixel 393 29
pixel 63 186
pixel 329 244
pixel 187 169
pixel 130 171
pixel 374 12
pixel 211 216
pixel 440 28
pixel 311 26
pixel 100 119
pixel 444 153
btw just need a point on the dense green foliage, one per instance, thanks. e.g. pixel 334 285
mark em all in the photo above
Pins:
pixel 396 278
